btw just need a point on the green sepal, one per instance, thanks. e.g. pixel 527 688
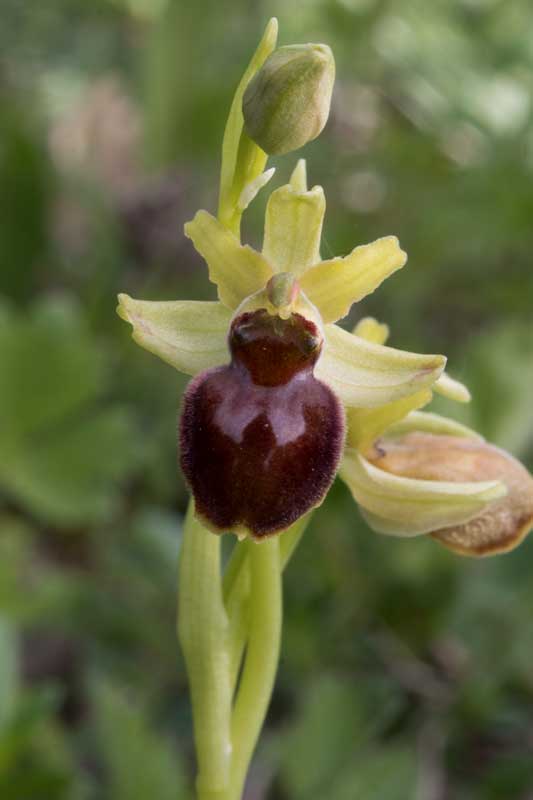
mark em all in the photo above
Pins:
pixel 189 335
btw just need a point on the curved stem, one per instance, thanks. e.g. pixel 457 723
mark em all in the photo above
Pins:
pixel 203 634
pixel 238 610
pixel 259 672
pixel 288 542
pixel 236 589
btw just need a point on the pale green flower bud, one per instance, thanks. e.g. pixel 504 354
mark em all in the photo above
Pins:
pixel 287 102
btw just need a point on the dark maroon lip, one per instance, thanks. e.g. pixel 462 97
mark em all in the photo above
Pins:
pixel 261 438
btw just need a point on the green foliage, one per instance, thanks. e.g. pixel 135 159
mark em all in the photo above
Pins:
pixel 63 456
pixel 499 366
pixel 35 759
pixel 385 774
pixel 8 671
pixel 140 763
pixel 326 751
pixel 25 193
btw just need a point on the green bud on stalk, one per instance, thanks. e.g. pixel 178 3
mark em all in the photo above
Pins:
pixel 287 102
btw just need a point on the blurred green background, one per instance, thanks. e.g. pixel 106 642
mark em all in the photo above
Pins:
pixel 407 672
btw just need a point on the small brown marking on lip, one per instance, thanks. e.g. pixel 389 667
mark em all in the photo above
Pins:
pixel 426 371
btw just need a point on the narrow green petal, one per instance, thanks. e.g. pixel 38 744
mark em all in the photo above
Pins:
pixel 409 507
pixel 333 286
pixel 365 425
pixel 452 389
pixel 366 375
pixel 253 187
pixel 293 225
pixel 429 422
pixel 236 269
pixel 189 335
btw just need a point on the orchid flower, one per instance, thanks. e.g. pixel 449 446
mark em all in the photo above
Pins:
pixel 275 374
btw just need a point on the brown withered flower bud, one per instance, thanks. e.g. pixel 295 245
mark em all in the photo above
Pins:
pixel 503 524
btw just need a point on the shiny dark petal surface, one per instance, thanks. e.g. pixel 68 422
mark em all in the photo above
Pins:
pixel 261 438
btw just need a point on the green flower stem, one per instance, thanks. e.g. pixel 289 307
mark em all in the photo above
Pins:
pixel 251 161
pixel 259 671
pixel 238 610
pixel 289 541
pixel 203 634
pixel 215 623
pixel 236 588
pixel 234 569
pixel 242 160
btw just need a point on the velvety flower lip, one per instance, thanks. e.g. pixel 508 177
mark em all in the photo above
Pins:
pixel 261 438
